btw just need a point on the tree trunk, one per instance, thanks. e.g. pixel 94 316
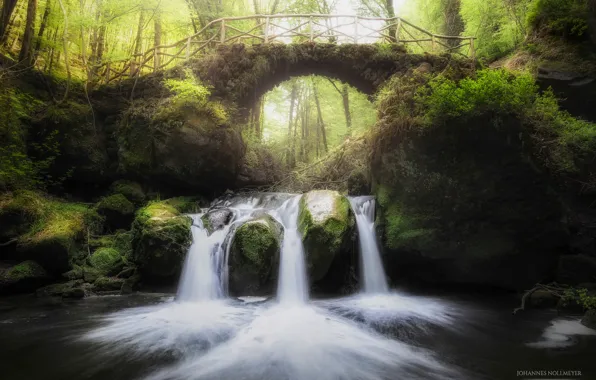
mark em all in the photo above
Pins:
pixel 256 111
pixel 138 44
pixel 26 54
pixel 42 27
pixel 346 101
pixel 65 46
pixel 454 23
pixel 592 20
pixel 290 119
pixel 390 14
pixel 157 41
pixel 320 122
pixel 8 7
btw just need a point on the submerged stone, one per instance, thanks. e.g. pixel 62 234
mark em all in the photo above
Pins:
pixel 327 227
pixel 216 219
pixel 254 252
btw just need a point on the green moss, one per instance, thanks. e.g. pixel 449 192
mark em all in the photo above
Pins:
pixel 115 203
pixel 257 241
pixel 161 237
pixel 24 270
pixel 184 205
pixel 325 222
pixel 50 219
pixel 105 259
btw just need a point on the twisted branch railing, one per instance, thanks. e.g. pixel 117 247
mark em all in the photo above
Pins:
pixel 281 28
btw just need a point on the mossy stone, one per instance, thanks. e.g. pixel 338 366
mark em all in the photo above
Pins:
pixel 107 284
pixel 327 225
pixel 589 319
pixel 161 238
pixel 255 249
pixel 117 210
pixel 131 190
pixel 106 260
pixel 23 277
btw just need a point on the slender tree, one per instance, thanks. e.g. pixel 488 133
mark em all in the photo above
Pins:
pixel 26 54
pixel 43 26
pixel 320 121
pixel 8 7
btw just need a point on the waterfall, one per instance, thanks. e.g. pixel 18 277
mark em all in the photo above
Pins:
pixel 200 280
pixel 292 285
pixel 372 266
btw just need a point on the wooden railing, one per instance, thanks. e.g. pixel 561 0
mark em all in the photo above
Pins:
pixel 290 28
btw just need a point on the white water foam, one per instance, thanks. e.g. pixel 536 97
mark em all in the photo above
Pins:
pixel 373 273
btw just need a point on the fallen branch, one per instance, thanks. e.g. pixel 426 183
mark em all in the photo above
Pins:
pixel 8 242
pixel 553 289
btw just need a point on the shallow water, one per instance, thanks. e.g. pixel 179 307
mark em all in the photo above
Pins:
pixel 395 336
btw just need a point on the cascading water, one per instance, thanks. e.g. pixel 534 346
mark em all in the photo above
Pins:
pixel 372 266
pixel 200 280
pixel 292 284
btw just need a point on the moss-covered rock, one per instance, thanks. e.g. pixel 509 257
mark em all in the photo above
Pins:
pixel 589 319
pixel 22 277
pixel 117 210
pixel 107 260
pixel 327 225
pixel 131 190
pixel 70 289
pixel 464 203
pixel 108 284
pixel 543 299
pixel 18 211
pixel 255 250
pixel 161 238
pixel 178 147
pixel 51 232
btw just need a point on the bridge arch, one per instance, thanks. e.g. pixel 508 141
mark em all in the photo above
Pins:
pixel 243 74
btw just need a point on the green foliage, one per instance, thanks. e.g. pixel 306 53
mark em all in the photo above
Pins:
pixel 559 17
pixel 491 91
pixel 498 92
pixel 580 296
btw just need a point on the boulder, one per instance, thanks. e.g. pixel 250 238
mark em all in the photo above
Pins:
pixel 117 210
pixel 107 260
pixel 576 269
pixel 466 204
pixel 23 277
pixel 190 149
pixel 543 299
pixel 108 284
pixel 70 289
pixel 216 219
pixel 161 238
pixel 589 319
pixel 327 225
pixel 254 252
pixel 131 190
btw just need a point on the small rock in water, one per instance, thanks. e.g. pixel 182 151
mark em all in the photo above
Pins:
pixel 543 299
pixel 589 320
